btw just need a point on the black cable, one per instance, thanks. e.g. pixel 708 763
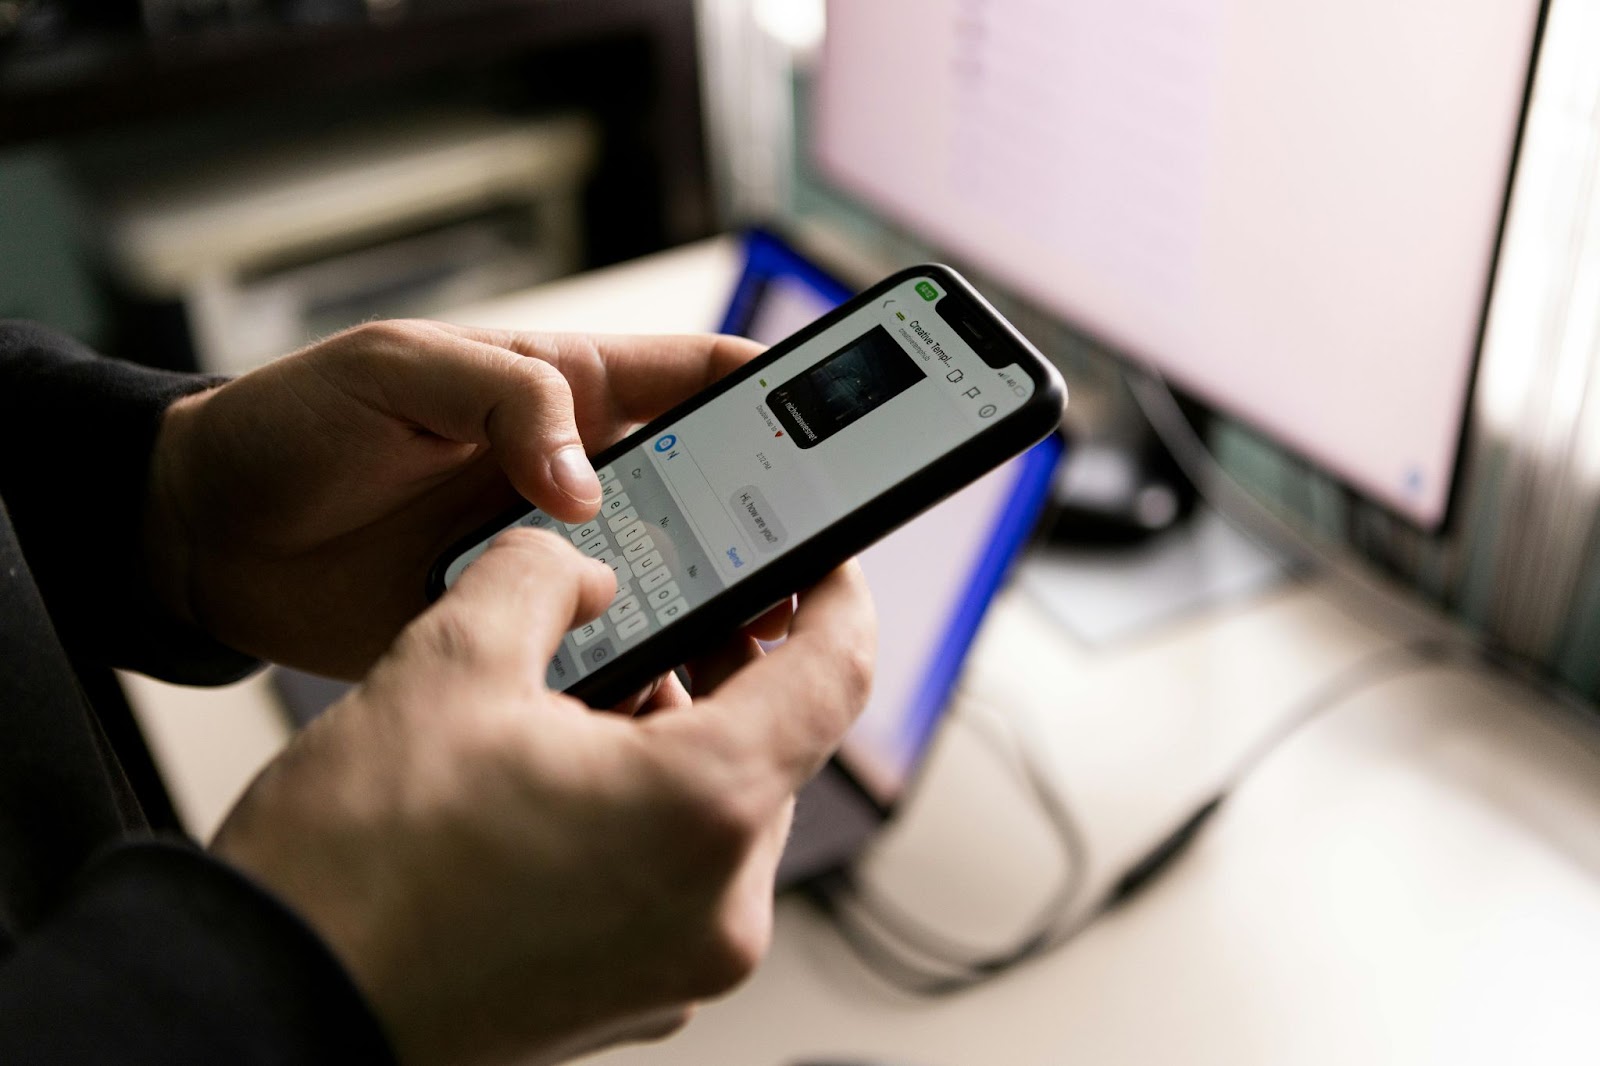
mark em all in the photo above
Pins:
pixel 917 937
pixel 911 955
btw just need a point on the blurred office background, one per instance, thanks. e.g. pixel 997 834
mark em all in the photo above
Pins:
pixel 210 182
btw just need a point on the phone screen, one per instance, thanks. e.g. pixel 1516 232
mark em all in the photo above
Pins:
pixel 734 484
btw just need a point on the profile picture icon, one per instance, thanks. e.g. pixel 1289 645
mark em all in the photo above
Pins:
pixel 666 443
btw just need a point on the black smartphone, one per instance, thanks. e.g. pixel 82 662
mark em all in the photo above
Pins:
pixel 761 484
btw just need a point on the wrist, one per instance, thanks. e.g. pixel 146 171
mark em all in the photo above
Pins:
pixel 169 538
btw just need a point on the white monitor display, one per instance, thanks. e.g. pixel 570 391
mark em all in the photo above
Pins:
pixel 1288 208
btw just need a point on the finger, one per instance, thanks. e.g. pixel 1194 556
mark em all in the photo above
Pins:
pixel 670 695
pixel 637 377
pixel 773 626
pixel 521 596
pixel 465 390
pixel 709 671
pixel 636 703
pixel 794 706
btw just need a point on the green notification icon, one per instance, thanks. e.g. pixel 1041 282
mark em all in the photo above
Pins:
pixel 926 290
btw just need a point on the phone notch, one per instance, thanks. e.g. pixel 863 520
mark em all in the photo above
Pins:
pixel 977 327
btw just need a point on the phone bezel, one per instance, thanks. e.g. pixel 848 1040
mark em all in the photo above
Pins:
pixel 811 560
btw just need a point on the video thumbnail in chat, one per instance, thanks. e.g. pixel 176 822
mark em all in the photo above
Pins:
pixel 836 391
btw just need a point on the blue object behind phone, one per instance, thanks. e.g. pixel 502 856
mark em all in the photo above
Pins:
pixel 932 580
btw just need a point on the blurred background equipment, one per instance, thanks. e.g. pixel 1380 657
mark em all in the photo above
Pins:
pixel 117 118
pixel 266 250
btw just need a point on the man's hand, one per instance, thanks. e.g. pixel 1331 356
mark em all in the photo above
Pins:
pixel 509 876
pixel 295 512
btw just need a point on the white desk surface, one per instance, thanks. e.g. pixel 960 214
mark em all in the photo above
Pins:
pixel 1414 878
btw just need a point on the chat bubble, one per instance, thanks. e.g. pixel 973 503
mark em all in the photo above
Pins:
pixel 756 515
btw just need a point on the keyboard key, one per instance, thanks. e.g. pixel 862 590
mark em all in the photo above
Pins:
pixel 639 548
pixel 615 504
pixel 618 567
pixel 581 533
pixel 610 489
pixel 632 533
pixel 643 566
pixel 598 653
pixel 559 674
pixel 672 610
pixel 655 579
pixel 663 595
pixel 595 546
pixel 625 609
pixel 587 632
pixel 633 626
pixel 605 474
pixel 536 520
pixel 622 518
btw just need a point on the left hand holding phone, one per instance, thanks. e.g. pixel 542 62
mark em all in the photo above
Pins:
pixel 294 512
pixel 508 876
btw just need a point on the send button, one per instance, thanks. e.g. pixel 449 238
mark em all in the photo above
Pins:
pixel 759 521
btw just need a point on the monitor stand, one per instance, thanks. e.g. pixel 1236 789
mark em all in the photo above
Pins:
pixel 1131 546
pixel 1104 593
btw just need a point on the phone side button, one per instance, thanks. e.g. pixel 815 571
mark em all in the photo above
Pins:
pixel 672 610
pixel 633 626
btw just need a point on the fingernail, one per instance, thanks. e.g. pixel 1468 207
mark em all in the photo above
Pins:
pixel 573 475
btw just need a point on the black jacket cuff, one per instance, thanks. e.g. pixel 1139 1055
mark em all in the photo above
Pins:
pixel 166 955
pixel 77 431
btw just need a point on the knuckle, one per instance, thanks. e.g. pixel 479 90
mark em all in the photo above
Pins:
pixel 389 333
pixel 854 665
pixel 721 827
pixel 445 635
pixel 542 378
pixel 709 819
pixel 663 1024
pixel 737 943
pixel 533 543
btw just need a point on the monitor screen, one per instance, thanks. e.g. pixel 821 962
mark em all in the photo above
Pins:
pixel 1289 209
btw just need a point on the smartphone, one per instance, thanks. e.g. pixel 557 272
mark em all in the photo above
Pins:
pixel 758 486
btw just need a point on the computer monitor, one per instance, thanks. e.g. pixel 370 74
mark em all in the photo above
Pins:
pixel 1291 210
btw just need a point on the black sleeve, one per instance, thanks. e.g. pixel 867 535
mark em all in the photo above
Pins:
pixel 76 432
pixel 166 956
